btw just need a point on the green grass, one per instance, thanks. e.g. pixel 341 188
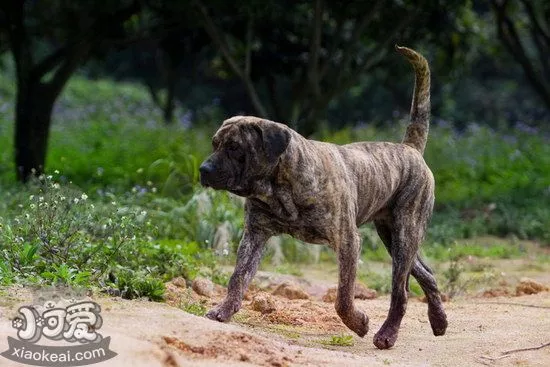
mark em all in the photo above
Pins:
pixel 108 143
pixel 485 249
pixel 339 341
pixel 197 308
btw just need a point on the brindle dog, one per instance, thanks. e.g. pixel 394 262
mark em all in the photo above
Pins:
pixel 320 193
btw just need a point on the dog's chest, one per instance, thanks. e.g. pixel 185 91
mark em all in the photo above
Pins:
pixel 311 223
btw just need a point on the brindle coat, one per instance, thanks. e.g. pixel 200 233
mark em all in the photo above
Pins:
pixel 320 193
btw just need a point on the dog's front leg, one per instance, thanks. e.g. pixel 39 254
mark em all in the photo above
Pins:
pixel 249 255
pixel 348 254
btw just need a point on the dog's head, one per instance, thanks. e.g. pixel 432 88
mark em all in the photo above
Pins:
pixel 246 149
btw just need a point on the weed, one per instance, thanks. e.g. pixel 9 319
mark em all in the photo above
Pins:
pixel 339 340
pixel 289 268
pixel 457 281
pixel 379 282
pixel 137 284
pixel 193 307
pixel 454 284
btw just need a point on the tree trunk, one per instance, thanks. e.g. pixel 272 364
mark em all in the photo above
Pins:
pixel 32 124
pixel 169 104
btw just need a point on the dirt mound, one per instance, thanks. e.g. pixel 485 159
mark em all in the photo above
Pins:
pixel 290 291
pixel 313 315
pixel 496 292
pixel 263 303
pixel 529 286
pixel 361 292
pixel 234 346
pixel 203 287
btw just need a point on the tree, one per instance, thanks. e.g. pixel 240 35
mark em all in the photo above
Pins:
pixel 295 57
pixel 48 42
pixel 524 30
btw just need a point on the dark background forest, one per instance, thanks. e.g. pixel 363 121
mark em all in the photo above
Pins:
pixel 310 64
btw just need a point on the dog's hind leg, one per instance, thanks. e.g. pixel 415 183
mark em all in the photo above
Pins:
pixel 403 240
pixel 383 228
pixel 249 255
pixel 436 313
pixel 348 254
pixel 424 275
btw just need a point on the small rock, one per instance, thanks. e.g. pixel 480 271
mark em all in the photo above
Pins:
pixel 250 292
pixel 179 282
pixel 361 292
pixel 290 291
pixel 330 296
pixel 203 287
pixel 529 286
pixel 495 292
pixel 263 302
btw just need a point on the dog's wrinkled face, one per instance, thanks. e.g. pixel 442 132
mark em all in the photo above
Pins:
pixel 246 149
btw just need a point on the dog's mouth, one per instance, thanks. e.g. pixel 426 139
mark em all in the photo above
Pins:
pixel 223 183
pixel 226 185
pixel 215 184
pixel 240 192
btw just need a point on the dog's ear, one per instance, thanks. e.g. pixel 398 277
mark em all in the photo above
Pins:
pixel 275 139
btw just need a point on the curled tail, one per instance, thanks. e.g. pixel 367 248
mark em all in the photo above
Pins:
pixel 417 131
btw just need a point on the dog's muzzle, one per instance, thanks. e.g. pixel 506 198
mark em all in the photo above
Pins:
pixel 207 173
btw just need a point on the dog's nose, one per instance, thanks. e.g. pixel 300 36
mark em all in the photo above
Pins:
pixel 205 168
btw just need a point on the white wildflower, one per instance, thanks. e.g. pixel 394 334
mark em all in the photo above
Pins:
pixel 84 197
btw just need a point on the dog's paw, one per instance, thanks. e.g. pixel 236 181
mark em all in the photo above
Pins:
pixel 222 312
pixel 385 338
pixel 438 320
pixel 358 322
pixel 362 325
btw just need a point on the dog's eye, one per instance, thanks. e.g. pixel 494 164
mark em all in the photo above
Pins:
pixel 233 146
pixel 215 143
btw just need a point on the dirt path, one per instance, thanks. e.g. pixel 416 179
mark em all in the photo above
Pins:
pixel 154 334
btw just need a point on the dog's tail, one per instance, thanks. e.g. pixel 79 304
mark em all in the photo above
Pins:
pixel 417 131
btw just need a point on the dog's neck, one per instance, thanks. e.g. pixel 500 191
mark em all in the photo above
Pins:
pixel 279 191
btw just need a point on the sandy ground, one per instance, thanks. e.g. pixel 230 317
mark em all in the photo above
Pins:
pixel 480 330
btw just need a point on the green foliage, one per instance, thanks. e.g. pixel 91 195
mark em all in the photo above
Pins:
pixel 289 268
pixel 380 282
pixel 137 284
pixel 53 233
pixel 188 304
pixel 488 249
pixel 58 235
pixel 339 340
pixel 454 283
